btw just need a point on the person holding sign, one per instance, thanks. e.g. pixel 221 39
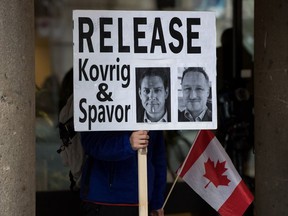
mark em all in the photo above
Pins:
pixel 153 91
pixel 196 90
pixel 110 176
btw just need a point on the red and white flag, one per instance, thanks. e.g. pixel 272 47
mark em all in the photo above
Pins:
pixel 209 171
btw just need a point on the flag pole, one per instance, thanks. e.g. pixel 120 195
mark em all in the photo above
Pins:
pixel 170 191
pixel 178 173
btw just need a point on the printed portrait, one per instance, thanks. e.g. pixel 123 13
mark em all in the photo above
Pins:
pixel 194 95
pixel 153 94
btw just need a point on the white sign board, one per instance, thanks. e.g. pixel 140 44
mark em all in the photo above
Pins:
pixel 128 70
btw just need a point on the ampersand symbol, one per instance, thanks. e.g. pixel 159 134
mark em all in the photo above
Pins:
pixel 102 94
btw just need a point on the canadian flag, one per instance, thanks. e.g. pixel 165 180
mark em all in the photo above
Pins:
pixel 209 171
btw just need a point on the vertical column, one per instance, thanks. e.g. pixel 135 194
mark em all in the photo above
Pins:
pixel 17 112
pixel 271 105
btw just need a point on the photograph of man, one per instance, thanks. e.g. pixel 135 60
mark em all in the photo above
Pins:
pixel 195 87
pixel 153 99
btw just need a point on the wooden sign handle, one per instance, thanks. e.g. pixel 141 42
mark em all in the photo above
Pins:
pixel 142 182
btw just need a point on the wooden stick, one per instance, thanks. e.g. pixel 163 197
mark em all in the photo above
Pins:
pixel 176 179
pixel 142 182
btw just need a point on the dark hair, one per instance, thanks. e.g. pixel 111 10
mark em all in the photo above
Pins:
pixel 195 69
pixel 156 71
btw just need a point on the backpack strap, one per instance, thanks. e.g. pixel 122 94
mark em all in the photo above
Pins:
pixel 67 132
pixel 72 182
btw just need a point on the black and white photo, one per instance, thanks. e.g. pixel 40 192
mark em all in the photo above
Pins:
pixel 153 94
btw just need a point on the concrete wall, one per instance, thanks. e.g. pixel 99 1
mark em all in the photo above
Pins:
pixel 271 107
pixel 17 93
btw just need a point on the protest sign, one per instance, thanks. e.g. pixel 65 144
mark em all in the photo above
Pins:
pixel 115 50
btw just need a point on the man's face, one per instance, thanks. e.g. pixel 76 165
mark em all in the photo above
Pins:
pixel 153 95
pixel 195 92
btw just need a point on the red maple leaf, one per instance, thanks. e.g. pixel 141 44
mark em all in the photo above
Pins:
pixel 215 173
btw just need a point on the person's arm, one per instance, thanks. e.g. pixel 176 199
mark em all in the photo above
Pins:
pixel 113 145
pixel 160 164
pixel 106 145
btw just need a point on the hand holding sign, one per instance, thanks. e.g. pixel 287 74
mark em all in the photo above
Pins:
pixel 139 140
